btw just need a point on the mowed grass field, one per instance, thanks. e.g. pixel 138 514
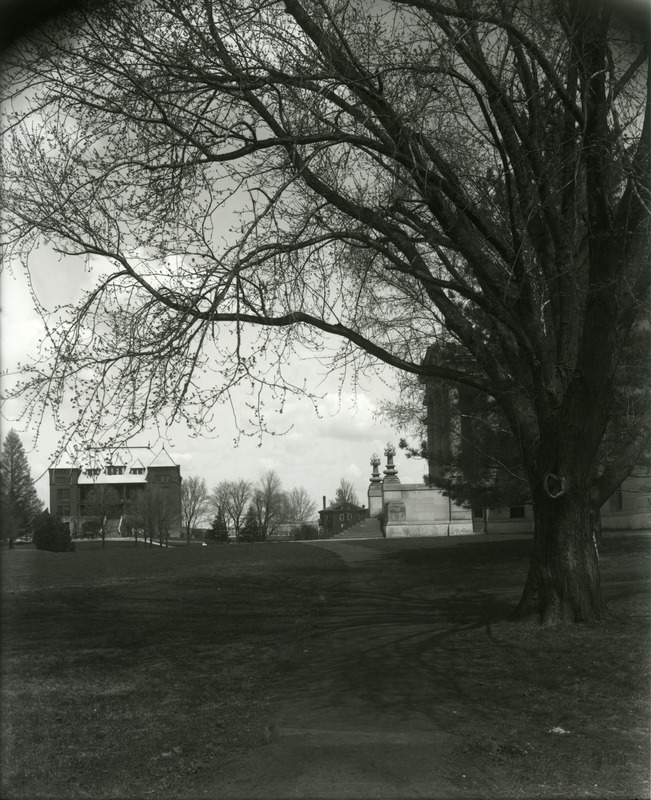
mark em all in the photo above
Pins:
pixel 130 672
pixel 545 712
pixel 126 671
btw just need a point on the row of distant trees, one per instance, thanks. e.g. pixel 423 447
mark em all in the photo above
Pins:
pixel 251 511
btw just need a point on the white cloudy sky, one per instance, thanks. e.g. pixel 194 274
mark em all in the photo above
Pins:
pixel 317 452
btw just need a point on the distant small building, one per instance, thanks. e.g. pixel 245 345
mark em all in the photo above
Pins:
pixel 129 471
pixel 339 516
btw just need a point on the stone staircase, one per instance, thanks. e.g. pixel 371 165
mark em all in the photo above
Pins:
pixel 366 529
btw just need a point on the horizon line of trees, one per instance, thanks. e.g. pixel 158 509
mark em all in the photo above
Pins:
pixel 248 510
pixel 253 511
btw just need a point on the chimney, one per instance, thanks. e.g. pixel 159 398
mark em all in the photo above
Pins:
pixel 324 502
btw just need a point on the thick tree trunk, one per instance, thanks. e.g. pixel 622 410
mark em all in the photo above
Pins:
pixel 563 584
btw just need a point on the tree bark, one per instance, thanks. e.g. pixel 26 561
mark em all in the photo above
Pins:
pixel 563 584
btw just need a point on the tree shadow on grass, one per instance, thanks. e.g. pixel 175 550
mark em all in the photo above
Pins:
pixel 397 652
pixel 423 634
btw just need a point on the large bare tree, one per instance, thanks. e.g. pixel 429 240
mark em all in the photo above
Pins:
pixel 263 178
pixel 229 500
pixel 269 503
pixel 346 493
pixel 299 507
pixel 195 502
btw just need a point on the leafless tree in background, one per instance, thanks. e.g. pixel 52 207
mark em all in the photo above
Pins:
pixel 195 502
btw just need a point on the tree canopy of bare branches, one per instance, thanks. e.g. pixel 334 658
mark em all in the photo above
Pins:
pixel 153 512
pixel 299 507
pixel 229 500
pixel 346 493
pixel 269 502
pixel 195 502
pixel 276 177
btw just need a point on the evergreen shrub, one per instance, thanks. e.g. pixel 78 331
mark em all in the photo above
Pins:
pixel 51 533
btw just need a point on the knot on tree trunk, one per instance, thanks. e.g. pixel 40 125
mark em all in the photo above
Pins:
pixel 554 485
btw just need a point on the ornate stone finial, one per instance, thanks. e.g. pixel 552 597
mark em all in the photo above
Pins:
pixel 375 463
pixel 390 452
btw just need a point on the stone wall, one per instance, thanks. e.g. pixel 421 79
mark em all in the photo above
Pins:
pixel 419 510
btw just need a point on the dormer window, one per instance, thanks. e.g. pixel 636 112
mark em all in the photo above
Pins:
pixel 92 473
pixel 137 470
pixel 114 470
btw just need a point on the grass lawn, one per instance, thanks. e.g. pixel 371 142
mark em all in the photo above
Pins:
pixel 130 672
pixel 506 686
pixel 129 669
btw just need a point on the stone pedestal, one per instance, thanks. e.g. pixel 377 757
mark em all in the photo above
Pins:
pixel 375 488
pixel 374 499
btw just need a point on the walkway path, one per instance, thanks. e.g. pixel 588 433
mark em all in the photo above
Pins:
pixel 361 718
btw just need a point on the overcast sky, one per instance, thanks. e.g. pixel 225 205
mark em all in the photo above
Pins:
pixel 316 453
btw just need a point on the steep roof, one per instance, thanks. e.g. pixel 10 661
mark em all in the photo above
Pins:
pixel 163 459
pixel 129 458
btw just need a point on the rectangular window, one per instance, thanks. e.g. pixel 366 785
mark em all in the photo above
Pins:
pixel 478 512
pixel 516 512
pixel 63 511
pixel 616 502
pixel 63 495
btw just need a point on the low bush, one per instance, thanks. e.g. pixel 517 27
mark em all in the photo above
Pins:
pixel 51 533
pixel 306 531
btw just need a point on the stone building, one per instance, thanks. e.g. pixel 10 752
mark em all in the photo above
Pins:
pixel 74 490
